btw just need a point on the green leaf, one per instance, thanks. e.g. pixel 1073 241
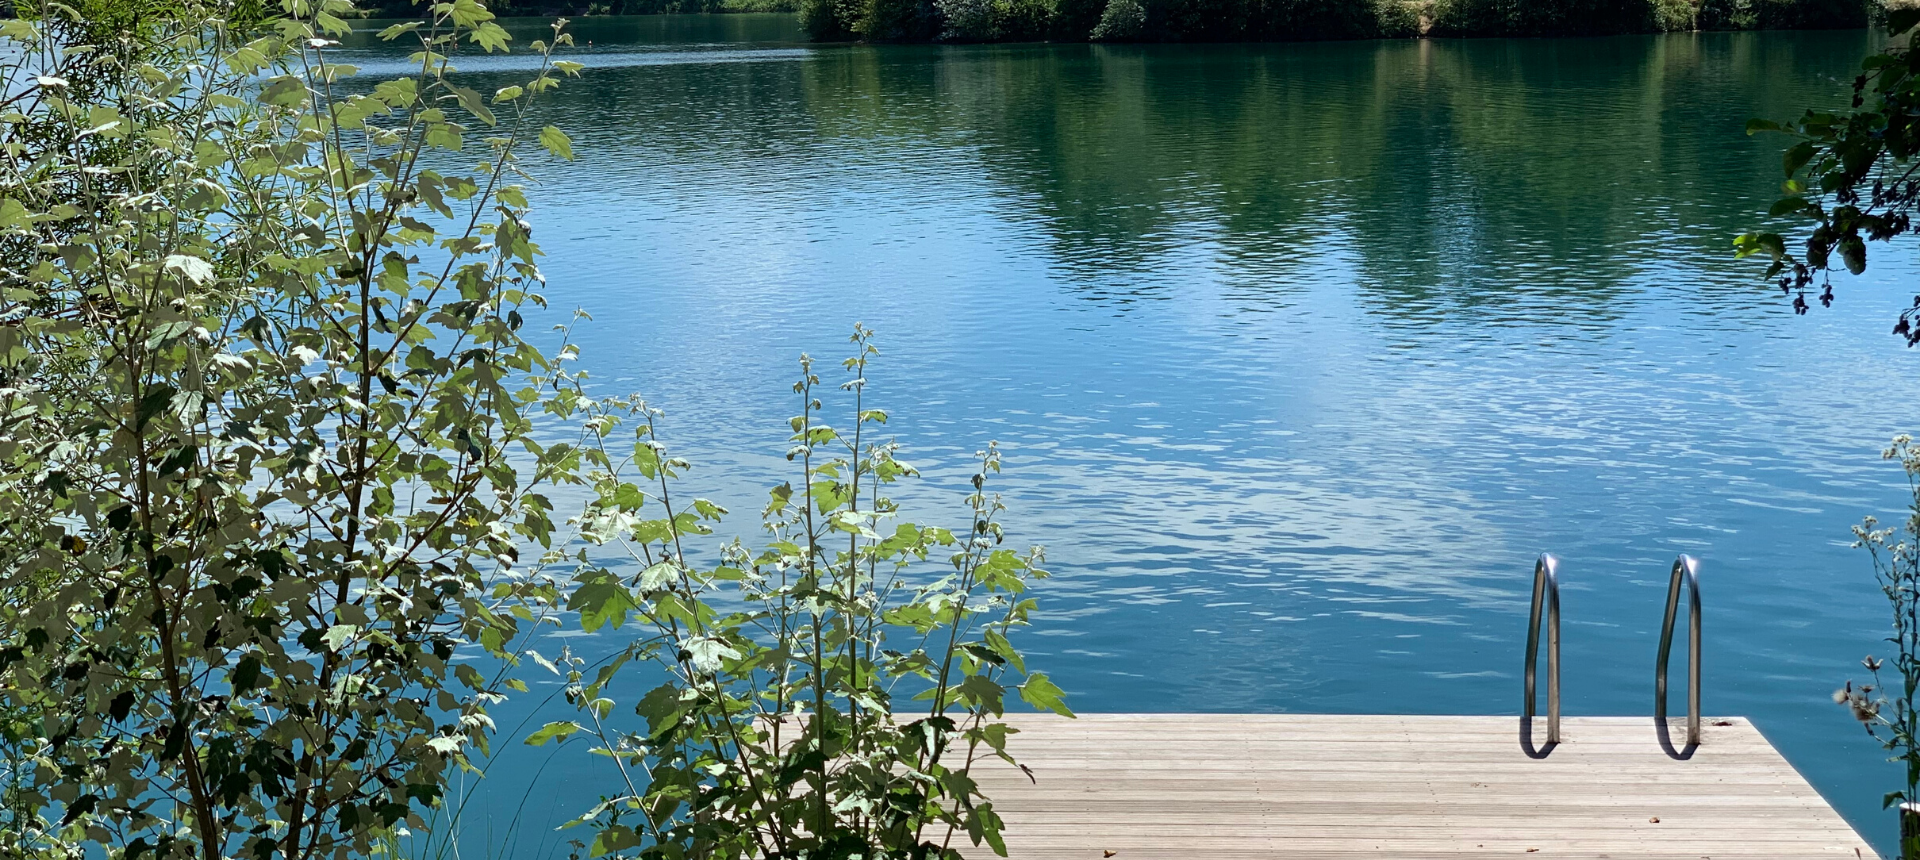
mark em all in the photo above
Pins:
pixel 601 600
pixel 984 693
pixel 1853 252
pixel 398 93
pixel 338 636
pixel 332 25
pixel 13 214
pixel 1797 157
pixel 614 838
pixel 990 829
pixel 557 142
pixel 1005 649
pixel 245 675
pixel 1750 244
pixel 490 36
pixel 192 268
pixel 284 91
pixel 553 732
pixel 397 30
pixel 659 575
pixel 472 102
pixel 82 805
pixel 1040 692
pixel 707 653
pixel 121 705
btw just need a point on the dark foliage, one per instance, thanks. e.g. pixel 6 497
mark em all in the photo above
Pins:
pixel 830 20
pixel 1309 20
pixel 1236 20
pixel 1851 175
pixel 551 8
pixel 898 21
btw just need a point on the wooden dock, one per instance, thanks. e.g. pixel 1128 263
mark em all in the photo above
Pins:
pixel 1179 786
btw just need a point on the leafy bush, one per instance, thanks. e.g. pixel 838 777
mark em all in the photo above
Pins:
pixel 897 21
pixel 1848 176
pixel 1202 20
pixel 267 460
pixel 1121 21
pixel 1810 14
pixel 1726 15
pixel 1895 721
pixel 829 20
pixel 413 9
pixel 1472 17
pixel 1544 17
pixel 779 721
pixel 1403 19
pixel 967 20
pixel 268 465
pixel 1673 16
pixel 1025 20
pixel 1074 20
pixel 1319 19
pixel 1587 17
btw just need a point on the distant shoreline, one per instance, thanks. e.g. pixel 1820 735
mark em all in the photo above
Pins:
pixel 1221 21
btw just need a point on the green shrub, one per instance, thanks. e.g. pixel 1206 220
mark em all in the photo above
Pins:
pixel 1317 19
pixel 1894 720
pixel 1587 17
pixel 1543 17
pixel 276 451
pixel 1726 15
pixel 1784 14
pixel 1024 20
pixel 829 20
pixel 967 20
pixel 822 696
pixel 1204 20
pixel 1121 21
pixel 1810 14
pixel 269 455
pixel 1296 20
pixel 897 21
pixel 1472 17
pixel 1673 16
pixel 1074 20
pixel 1402 19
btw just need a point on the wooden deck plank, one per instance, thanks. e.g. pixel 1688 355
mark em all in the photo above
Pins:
pixel 1174 786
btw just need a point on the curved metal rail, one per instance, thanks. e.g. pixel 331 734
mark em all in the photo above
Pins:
pixel 1686 568
pixel 1546 589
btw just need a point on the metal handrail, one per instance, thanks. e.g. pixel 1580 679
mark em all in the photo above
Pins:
pixel 1688 568
pixel 1546 587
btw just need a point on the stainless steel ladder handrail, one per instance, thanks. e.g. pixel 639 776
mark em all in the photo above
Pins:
pixel 1686 568
pixel 1546 588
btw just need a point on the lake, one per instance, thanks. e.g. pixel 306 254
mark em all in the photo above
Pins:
pixel 1299 353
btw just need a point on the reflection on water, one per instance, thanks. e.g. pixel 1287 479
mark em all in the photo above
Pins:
pixel 1300 352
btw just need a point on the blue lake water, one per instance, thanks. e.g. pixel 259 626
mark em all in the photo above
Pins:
pixel 1299 353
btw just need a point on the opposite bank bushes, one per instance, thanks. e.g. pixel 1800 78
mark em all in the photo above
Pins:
pixel 1303 20
pixel 573 8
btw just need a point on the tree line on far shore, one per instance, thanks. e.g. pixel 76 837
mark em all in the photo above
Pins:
pixel 1227 20
pixel 1304 20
